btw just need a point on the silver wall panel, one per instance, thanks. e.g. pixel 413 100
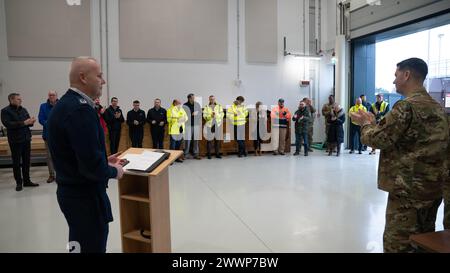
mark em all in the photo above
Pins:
pixel 48 28
pixel 261 35
pixel 174 29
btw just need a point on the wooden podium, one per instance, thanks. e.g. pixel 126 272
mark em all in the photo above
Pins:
pixel 435 242
pixel 145 206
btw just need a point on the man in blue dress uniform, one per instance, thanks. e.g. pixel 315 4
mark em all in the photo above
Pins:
pixel 77 146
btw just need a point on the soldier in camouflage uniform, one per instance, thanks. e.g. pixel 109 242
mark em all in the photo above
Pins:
pixel 327 109
pixel 413 140
pixel 312 111
pixel 446 188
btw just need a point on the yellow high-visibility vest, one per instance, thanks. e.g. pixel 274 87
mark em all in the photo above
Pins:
pixel 355 109
pixel 176 118
pixel 208 112
pixel 237 114
pixel 382 107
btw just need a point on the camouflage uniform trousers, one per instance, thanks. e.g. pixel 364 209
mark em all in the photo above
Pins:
pixel 405 217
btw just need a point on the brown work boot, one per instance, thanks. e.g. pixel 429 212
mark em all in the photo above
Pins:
pixel 50 179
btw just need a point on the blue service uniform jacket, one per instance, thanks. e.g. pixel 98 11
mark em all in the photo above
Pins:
pixel 77 146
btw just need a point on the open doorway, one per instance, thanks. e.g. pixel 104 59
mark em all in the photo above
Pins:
pixel 430 45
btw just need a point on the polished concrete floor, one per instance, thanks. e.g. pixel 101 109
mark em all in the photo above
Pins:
pixel 254 204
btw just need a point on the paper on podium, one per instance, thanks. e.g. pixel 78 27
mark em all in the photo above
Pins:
pixel 146 162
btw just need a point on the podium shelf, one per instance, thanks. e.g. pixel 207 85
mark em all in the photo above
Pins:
pixel 139 197
pixel 136 236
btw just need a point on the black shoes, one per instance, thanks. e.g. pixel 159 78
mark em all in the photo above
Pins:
pixel 218 156
pixel 30 184
pixel 296 153
pixel 19 187
pixel 351 152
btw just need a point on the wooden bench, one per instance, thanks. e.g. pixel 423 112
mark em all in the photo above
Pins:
pixel 436 242
pixel 37 146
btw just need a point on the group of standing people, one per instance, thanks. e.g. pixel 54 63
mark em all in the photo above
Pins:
pixel 335 118
pixel 185 125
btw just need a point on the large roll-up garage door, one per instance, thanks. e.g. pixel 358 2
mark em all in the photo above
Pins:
pixel 367 19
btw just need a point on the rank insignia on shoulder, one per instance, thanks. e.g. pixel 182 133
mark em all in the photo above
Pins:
pixel 83 101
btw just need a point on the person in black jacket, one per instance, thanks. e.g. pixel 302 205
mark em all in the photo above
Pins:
pixel 136 121
pixel 18 122
pixel 193 126
pixel 114 119
pixel 77 146
pixel 336 130
pixel 157 118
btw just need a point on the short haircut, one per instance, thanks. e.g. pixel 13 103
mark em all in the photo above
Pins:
pixel 190 95
pixel 304 99
pixel 158 99
pixel 173 102
pixel 211 96
pixel 362 95
pixel 113 98
pixel 417 66
pixel 12 96
pixel 380 95
pixel 136 101
pixel 240 98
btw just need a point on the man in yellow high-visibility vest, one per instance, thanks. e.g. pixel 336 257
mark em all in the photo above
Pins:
pixel 379 109
pixel 213 115
pixel 176 118
pixel 355 129
pixel 237 114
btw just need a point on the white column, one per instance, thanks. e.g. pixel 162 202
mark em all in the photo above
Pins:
pixel 341 92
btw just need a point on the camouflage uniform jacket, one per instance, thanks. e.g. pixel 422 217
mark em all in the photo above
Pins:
pixel 413 140
pixel 327 110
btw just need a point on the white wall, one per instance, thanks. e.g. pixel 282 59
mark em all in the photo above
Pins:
pixel 148 79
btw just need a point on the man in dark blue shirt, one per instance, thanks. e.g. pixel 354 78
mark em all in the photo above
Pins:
pixel 136 122
pixel 77 146
pixel 157 118
pixel 114 119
